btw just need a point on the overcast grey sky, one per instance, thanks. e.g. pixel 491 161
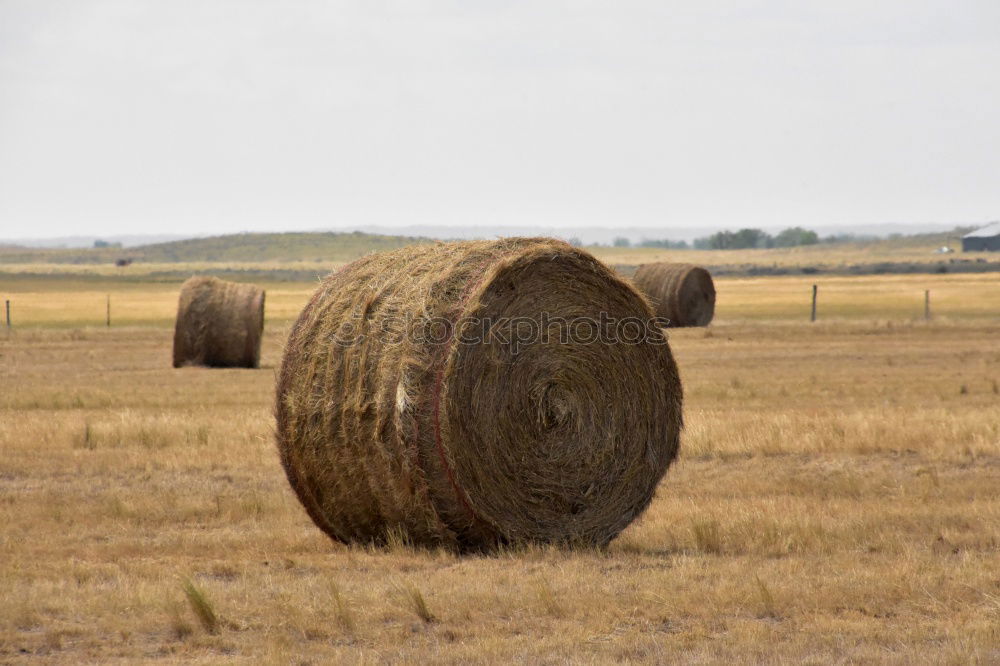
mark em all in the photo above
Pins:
pixel 193 116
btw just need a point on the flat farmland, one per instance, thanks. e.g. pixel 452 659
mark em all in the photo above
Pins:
pixel 837 498
pixel 59 301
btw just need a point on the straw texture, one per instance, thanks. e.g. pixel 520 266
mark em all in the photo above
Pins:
pixel 403 408
pixel 683 294
pixel 219 324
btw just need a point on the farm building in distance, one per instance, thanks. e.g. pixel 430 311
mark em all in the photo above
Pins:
pixel 986 239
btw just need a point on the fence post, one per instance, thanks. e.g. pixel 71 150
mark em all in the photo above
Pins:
pixel 8 313
pixel 109 311
pixel 927 304
pixel 812 316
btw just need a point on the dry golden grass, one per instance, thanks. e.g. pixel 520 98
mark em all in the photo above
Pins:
pixel 837 499
pixel 40 302
pixel 870 297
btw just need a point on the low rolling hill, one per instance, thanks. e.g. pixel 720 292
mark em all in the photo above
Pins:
pixel 249 247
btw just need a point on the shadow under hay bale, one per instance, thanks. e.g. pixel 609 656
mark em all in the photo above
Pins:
pixel 219 324
pixel 684 294
pixel 410 406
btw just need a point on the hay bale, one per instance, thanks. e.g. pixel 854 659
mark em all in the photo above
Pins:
pixel 404 409
pixel 219 324
pixel 684 294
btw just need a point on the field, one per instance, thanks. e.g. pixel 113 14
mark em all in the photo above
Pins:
pixel 71 303
pixel 837 499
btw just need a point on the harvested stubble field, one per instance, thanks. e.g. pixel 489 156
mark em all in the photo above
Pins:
pixel 57 302
pixel 837 498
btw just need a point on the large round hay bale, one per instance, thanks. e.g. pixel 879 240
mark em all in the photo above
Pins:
pixel 683 294
pixel 416 402
pixel 219 324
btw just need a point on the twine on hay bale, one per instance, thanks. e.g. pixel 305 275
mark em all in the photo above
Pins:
pixel 397 416
pixel 219 324
pixel 684 294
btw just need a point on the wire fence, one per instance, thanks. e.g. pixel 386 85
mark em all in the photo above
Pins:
pixel 752 299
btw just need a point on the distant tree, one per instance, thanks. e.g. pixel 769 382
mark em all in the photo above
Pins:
pixel 621 241
pixel 575 242
pixel 666 243
pixel 752 238
pixel 848 238
pixel 103 243
pixel 735 240
pixel 720 240
pixel 795 236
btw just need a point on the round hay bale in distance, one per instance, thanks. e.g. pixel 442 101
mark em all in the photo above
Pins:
pixel 683 294
pixel 415 401
pixel 219 324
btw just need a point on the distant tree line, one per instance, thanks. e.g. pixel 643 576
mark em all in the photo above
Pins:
pixel 756 238
pixel 742 239
pixel 621 241
pixel 665 243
